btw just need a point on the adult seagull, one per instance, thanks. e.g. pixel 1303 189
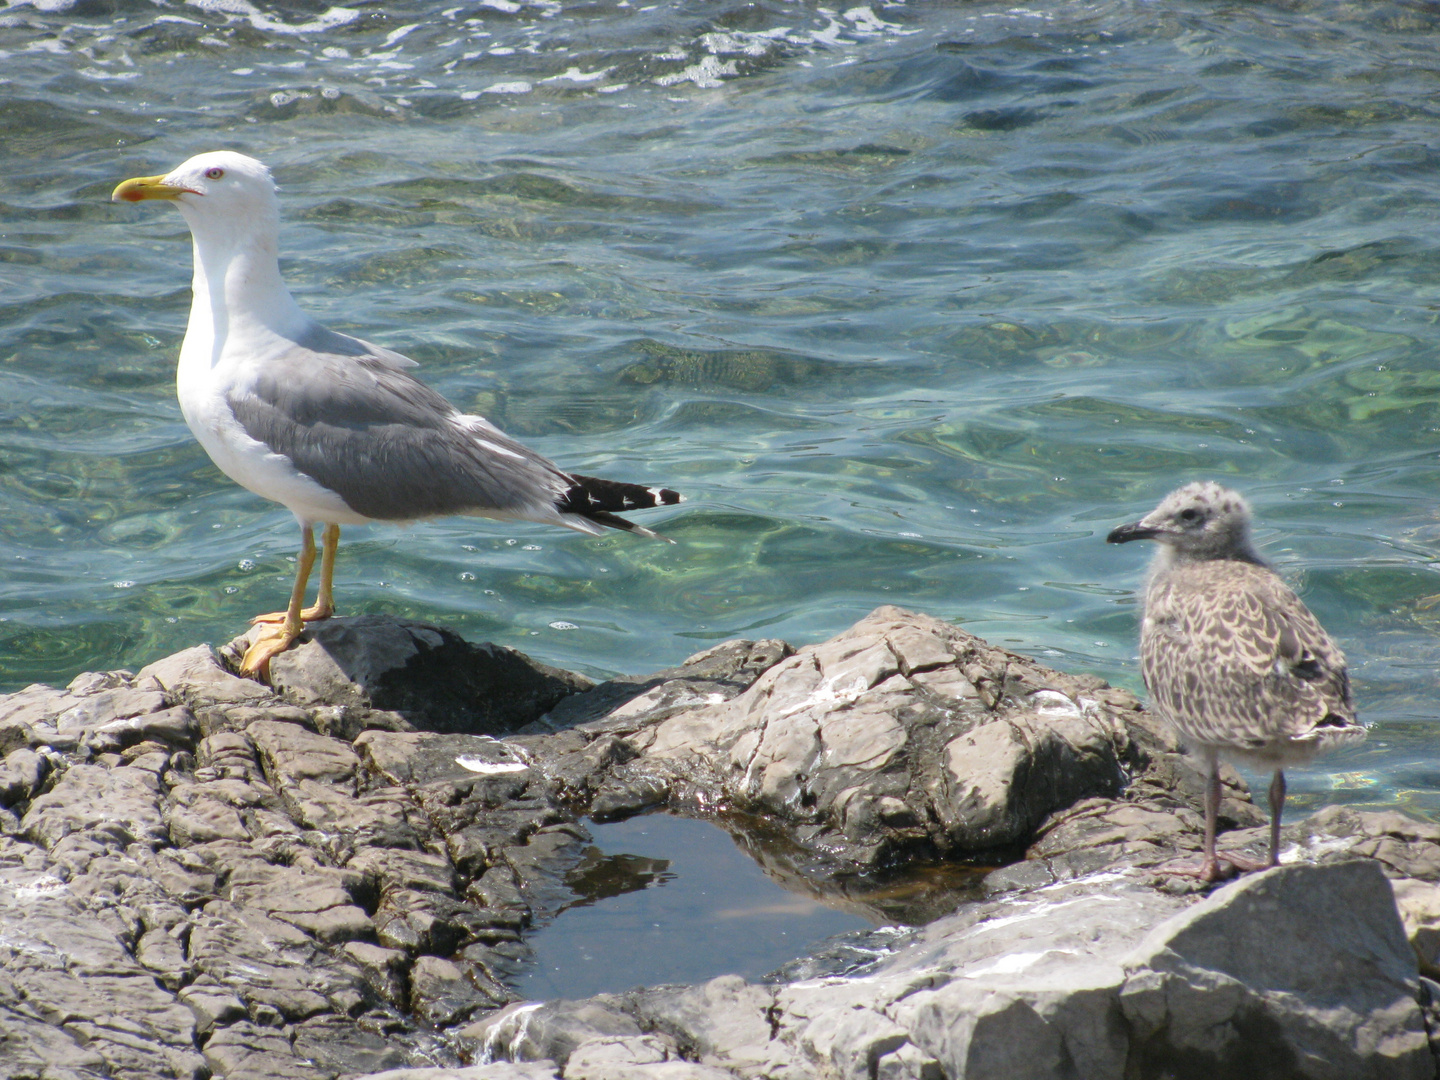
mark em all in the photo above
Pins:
pixel 331 426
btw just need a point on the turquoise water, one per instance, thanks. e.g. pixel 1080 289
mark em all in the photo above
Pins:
pixel 913 301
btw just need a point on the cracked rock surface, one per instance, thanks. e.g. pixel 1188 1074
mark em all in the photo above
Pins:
pixel 201 876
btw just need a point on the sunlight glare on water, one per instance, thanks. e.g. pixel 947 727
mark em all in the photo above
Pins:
pixel 914 301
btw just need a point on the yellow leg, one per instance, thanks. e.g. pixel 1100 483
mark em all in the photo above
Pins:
pixel 275 640
pixel 325 602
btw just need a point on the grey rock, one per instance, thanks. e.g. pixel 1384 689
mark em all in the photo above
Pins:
pixel 258 1053
pixel 442 995
pixel 175 728
pixel 643 1057
pixel 197 677
pixel 1303 970
pixel 334 1043
pixel 500 1070
pixel 267 961
pixel 290 754
pixel 306 886
pixel 21 774
pixel 430 676
pixel 163 954
pixel 385 970
pixel 34 1046
pixel 1402 846
pixel 398 868
pixel 717 674
pixel 901 735
pixel 63 972
pixel 550 1031
pixel 200 813
pixel 212 1006
pixel 21 711
pixel 1419 906
pixel 122 804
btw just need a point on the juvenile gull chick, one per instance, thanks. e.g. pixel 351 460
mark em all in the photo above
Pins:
pixel 331 426
pixel 1231 656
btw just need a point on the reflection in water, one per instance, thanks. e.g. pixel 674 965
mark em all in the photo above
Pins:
pixel 600 876
pixel 663 899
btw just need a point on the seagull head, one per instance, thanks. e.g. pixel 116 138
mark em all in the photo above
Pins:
pixel 219 193
pixel 1197 522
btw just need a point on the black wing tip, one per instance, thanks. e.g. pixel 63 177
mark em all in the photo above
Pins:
pixel 613 495
pixel 615 521
pixel 602 501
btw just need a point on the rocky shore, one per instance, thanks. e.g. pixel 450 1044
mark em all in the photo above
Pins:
pixel 201 876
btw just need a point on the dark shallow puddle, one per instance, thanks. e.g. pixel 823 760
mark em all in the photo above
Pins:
pixel 662 899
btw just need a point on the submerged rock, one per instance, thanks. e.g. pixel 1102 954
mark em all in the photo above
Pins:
pixel 335 876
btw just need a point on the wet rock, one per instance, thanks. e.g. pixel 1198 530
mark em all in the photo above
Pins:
pixel 335 1044
pixel 442 995
pixel 552 1031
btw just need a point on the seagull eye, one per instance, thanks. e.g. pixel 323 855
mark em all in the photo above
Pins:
pixel 214 174
pixel 1189 514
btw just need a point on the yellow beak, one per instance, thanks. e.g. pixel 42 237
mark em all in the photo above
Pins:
pixel 146 187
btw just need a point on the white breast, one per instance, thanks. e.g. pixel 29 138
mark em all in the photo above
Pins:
pixel 202 386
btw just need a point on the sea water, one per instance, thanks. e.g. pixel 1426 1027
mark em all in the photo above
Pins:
pixel 913 301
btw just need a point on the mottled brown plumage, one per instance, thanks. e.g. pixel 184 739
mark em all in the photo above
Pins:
pixel 1230 655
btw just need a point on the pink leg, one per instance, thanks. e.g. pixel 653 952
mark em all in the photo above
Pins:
pixel 1219 866
pixel 1277 807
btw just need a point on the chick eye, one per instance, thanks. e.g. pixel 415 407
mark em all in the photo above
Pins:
pixel 1189 514
pixel 214 174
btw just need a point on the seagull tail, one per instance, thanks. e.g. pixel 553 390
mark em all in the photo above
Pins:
pixel 601 501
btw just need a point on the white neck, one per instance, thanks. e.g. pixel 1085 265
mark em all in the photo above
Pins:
pixel 238 292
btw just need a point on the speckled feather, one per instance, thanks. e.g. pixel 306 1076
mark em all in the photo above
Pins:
pixel 1231 656
pixel 1236 661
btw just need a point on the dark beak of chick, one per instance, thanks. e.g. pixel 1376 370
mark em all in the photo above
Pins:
pixel 1136 530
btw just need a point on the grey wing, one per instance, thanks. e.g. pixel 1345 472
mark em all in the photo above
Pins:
pixel 1237 659
pixel 386 443
pixel 320 339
